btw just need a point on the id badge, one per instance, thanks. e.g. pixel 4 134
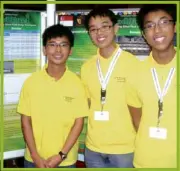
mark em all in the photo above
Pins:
pixel 158 133
pixel 101 115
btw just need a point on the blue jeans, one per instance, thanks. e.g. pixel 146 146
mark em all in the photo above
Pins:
pixel 101 160
pixel 28 164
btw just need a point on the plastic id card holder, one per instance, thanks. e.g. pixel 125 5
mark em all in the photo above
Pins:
pixel 101 115
pixel 158 133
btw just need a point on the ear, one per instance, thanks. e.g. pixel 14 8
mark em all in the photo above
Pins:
pixel 44 50
pixel 175 28
pixel 142 33
pixel 116 28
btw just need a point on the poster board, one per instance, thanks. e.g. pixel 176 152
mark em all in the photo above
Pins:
pixel 22 52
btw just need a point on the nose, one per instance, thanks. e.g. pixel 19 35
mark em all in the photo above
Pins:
pixel 157 27
pixel 99 31
pixel 58 48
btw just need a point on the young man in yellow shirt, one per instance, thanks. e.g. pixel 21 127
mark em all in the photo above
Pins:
pixel 110 134
pixel 52 106
pixel 154 90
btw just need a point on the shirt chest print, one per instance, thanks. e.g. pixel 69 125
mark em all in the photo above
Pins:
pixel 119 79
pixel 68 99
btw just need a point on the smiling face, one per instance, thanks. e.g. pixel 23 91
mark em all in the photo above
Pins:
pixel 57 50
pixel 160 36
pixel 102 31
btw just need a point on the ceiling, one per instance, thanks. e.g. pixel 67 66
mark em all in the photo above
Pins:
pixel 59 7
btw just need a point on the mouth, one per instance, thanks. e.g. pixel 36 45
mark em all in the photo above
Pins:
pixel 101 39
pixel 58 57
pixel 159 39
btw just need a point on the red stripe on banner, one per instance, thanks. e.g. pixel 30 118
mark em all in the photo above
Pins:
pixel 66 18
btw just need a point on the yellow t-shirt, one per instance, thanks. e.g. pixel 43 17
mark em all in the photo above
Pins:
pixel 141 92
pixel 53 107
pixel 115 136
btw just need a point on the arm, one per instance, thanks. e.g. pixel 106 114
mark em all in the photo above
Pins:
pixel 73 135
pixel 70 141
pixel 133 98
pixel 136 116
pixel 26 125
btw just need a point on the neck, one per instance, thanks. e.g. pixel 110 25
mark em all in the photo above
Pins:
pixel 56 71
pixel 164 57
pixel 107 51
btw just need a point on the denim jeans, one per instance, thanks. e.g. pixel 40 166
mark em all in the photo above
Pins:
pixel 100 160
pixel 28 164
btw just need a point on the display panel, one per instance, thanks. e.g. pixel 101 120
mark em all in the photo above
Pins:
pixel 22 42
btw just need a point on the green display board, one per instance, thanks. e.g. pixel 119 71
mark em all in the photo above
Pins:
pixel 22 51
pixel 21 42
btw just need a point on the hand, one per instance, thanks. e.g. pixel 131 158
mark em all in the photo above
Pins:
pixel 38 161
pixel 53 161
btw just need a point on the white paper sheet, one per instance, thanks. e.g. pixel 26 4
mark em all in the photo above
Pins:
pixel 12 87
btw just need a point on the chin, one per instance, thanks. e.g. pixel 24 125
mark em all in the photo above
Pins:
pixel 58 62
pixel 103 45
pixel 161 47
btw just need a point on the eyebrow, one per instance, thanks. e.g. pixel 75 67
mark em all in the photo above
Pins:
pixel 59 42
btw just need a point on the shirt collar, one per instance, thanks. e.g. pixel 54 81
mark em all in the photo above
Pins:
pixel 172 63
pixel 107 59
pixel 48 77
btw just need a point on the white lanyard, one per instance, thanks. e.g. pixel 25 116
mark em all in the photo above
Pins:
pixel 162 93
pixel 104 81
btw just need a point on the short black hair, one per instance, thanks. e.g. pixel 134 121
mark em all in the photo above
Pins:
pixel 102 12
pixel 147 8
pixel 55 31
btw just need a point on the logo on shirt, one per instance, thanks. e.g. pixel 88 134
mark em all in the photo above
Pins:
pixel 68 99
pixel 120 79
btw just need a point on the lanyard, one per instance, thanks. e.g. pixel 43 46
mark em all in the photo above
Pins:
pixel 161 93
pixel 104 80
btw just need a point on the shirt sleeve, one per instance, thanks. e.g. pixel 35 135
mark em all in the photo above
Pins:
pixel 81 103
pixel 24 101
